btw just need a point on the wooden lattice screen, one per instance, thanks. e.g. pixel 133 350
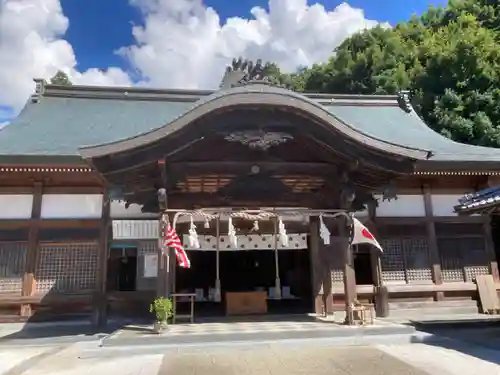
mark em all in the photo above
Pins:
pixel 63 268
pixel 462 259
pixel 12 266
pixel 406 260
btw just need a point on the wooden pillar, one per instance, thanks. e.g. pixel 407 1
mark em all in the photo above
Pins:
pixel 316 266
pixel 490 248
pixel 160 276
pixel 100 302
pixel 29 282
pixel 374 253
pixel 327 253
pixel 166 261
pixel 432 240
pixel 349 274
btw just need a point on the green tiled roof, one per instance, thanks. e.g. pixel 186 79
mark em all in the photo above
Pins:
pixel 62 120
pixel 407 129
pixel 59 126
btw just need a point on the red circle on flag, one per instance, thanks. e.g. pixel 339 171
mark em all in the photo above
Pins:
pixel 365 233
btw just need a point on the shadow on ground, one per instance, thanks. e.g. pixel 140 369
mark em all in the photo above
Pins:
pixel 477 338
pixel 39 333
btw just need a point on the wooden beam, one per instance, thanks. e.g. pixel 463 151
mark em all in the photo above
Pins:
pixel 213 200
pixel 92 189
pixel 238 167
pixel 14 224
pixel 69 223
pixel 29 286
pixel 16 190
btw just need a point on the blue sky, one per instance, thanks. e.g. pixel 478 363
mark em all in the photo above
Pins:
pixel 99 27
pixel 172 43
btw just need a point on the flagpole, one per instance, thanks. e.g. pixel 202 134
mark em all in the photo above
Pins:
pixel 277 286
pixel 166 254
pixel 217 296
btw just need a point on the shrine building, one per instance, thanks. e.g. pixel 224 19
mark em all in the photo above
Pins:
pixel 82 169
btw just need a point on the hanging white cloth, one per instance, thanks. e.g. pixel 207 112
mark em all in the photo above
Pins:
pixel 324 233
pixel 194 242
pixel 283 236
pixel 231 232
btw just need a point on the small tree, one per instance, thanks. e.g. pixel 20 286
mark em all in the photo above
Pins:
pixel 61 78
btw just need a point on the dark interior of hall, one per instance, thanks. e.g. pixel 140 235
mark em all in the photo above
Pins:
pixel 248 270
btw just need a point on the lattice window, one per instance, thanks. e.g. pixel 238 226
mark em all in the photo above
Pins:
pixel 66 268
pixel 463 258
pixel 475 257
pixel 12 266
pixel 393 264
pixel 417 261
pixel 451 262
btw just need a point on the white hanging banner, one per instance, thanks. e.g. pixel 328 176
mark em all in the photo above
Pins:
pixel 282 233
pixel 324 233
pixel 193 236
pixel 295 241
pixel 150 265
pixel 231 232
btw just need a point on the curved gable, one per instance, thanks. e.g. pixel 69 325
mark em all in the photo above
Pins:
pixel 254 95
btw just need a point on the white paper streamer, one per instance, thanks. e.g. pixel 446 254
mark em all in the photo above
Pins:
pixel 194 242
pixel 283 236
pixel 231 232
pixel 324 233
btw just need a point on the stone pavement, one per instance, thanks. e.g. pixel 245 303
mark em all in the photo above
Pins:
pixel 274 359
pixel 251 331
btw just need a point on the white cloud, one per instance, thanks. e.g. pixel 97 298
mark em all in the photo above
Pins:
pixel 31 46
pixel 181 43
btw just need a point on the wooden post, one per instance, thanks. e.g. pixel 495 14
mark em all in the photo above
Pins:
pixel 490 249
pixel 29 282
pixel 100 302
pixel 316 266
pixel 160 285
pixel 432 240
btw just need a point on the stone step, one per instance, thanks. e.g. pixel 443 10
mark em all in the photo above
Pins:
pixel 405 305
pixel 418 312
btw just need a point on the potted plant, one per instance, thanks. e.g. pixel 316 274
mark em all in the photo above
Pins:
pixel 163 310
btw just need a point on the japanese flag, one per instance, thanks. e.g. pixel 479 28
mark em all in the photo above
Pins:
pixel 363 235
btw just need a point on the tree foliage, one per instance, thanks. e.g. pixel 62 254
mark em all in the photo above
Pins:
pixel 449 59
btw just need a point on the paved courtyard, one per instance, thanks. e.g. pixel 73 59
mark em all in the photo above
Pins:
pixel 272 359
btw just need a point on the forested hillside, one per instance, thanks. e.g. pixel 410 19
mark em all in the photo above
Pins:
pixel 449 59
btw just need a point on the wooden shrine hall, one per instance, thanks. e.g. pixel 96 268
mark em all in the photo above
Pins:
pixel 86 172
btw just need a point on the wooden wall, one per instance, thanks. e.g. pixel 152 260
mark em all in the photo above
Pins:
pixel 54 242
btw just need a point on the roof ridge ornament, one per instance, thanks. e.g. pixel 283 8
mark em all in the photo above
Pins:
pixel 404 101
pixel 243 72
